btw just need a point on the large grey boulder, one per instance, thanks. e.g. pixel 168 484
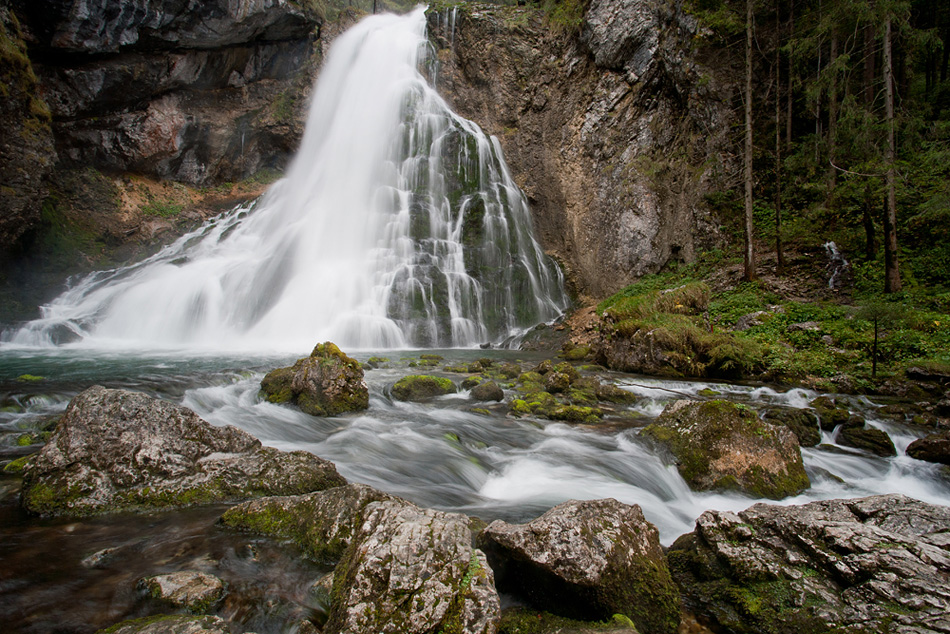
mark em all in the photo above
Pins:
pixel 322 523
pixel 326 383
pixel 587 560
pixel 399 568
pixel 116 449
pixel 719 445
pixel 877 564
pixel 412 571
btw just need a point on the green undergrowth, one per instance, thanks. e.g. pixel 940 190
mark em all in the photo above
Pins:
pixel 749 331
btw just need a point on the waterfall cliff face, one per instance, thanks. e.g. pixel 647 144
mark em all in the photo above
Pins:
pixel 397 225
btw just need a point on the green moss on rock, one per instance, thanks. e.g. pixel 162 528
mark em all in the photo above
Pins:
pixel 420 387
pixel 721 445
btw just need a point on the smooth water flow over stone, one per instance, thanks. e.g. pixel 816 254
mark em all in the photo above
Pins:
pixel 397 225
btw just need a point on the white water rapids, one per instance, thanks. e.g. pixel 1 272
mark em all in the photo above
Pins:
pixel 398 225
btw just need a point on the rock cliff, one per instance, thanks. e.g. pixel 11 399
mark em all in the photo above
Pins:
pixel 615 133
pixel 195 92
pixel 26 144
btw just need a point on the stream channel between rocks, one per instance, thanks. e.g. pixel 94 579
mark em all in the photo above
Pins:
pixel 437 454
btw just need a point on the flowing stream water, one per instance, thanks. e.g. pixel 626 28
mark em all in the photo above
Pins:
pixel 397 228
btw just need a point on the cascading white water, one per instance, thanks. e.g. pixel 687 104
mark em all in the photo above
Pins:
pixel 397 225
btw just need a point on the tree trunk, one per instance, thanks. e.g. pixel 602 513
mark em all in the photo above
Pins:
pixel 832 117
pixel 780 257
pixel 870 248
pixel 788 97
pixel 869 65
pixel 749 251
pixel 892 276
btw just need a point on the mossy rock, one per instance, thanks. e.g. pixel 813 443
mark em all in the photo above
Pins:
pixel 802 422
pixel 830 414
pixel 576 414
pixel 575 353
pixel 719 445
pixel 16 467
pixel 867 438
pixel 421 387
pixel 326 383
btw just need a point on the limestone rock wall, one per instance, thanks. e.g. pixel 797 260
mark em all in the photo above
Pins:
pixel 615 133
pixel 197 92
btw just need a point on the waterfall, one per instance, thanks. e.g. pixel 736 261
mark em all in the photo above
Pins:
pixel 397 225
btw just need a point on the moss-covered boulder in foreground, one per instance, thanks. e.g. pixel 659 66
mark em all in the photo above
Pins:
pixel 421 387
pixel 721 445
pixel 326 383
pixel 119 450
pixel 587 560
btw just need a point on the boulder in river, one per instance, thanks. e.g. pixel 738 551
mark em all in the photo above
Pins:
pixel 487 391
pixel 116 450
pixel 877 564
pixel 399 568
pixel 801 421
pixel 587 560
pixel 194 591
pixel 933 448
pixel 412 571
pixel 421 387
pixel 857 434
pixel 326 383
pixel 721 445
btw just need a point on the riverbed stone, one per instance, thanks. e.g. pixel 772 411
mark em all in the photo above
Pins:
pixel 170 624
pixel 719 445
pixel 409 570
pixel 801 421
pixel 487 391
pixel 587 560
pixel 194 591
pixel 932 448
pixel 121 450
pixel 326 383
pixel 321 523
pixel 877 564
pixel 858 435
pixel 421 387
pixel 830 412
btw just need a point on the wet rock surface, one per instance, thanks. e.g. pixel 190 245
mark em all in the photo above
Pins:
pixel 194 591
pixel 586 560
pixel 932 448
pixel 721 445
pixel 116 449
pixel 411 570
pixel 801 421
pixel 880 563
pixel 326 383
pixel 421 387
